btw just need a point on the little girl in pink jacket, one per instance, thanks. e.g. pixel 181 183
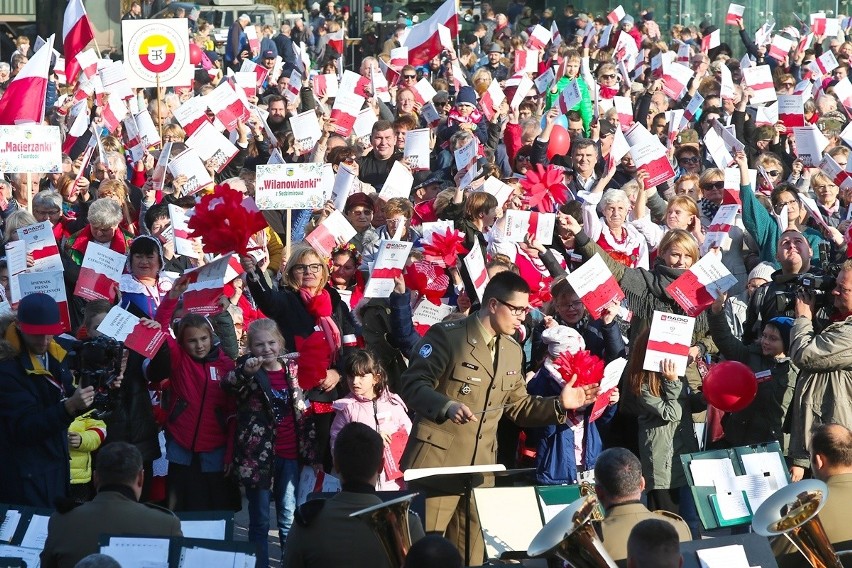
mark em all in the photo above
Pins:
pixel 370 402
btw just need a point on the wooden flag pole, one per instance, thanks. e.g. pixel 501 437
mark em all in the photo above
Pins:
pixel 289 235
pixel 29 193
pixel 159 116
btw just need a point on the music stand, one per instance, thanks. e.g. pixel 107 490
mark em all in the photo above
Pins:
pixel 445 480
pixel 757 549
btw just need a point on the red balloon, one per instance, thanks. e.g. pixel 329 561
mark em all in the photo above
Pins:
pixel 560 142
pixel 730 386
pixel 194 53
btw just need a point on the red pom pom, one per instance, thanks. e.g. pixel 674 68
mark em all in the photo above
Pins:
pixel 225 220
pixel 444 250
pixel 588 367
pixel 545 188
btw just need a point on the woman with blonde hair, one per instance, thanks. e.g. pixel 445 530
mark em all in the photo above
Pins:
pixel 116 190
pixel 314 321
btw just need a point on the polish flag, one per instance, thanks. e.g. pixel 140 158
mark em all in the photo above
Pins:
pixel 423 91
pixel 399 57
pixel 23 100
pixel 336 41
pixel 711 40
pixel 79 127
pixel 423 41
pixel 780 47
pixel 539 38
pixel 87 61
pixel 554 33
pixel 616 15
pixel 491 100
pixel 76 33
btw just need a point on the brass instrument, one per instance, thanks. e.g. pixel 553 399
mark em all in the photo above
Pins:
pixel 588 488
pixel 793 512
pixel 389 520
pixel 571 536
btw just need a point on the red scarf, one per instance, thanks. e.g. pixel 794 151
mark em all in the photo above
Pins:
pixel 117 244
pixel 319 306
pixel 608 92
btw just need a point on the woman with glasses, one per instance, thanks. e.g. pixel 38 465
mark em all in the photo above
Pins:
pixel 787 209
pixel 828 202
pixel 687 185
pixel 738 251
pixel 608 81
pixel 688 160
pixel 315 322
pixel 770 169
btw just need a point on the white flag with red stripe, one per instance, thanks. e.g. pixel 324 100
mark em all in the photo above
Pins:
pixel 616 15
pixel 76 34
pixel 24 98
pixel 555 35
pixel 336 41
pixel 87 62
pixel 423 41
pixel 711 40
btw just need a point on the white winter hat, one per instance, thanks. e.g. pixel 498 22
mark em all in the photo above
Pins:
pixel 562 338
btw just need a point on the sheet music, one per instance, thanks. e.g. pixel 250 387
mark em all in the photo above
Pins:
pixel 756 487
pixel 768 465
pixel 28 555
pixel 732 504
pixel 133 552
pixel 733 556
pixel 193 557
pixel 10 525
pixel 36 532
pixel 210 529
pixel 706 473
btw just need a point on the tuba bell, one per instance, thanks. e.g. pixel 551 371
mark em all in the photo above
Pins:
pixel 792 514
pixel 571 537
pixel 389 520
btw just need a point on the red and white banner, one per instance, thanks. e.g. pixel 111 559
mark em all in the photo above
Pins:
pixel 791 110
pixel 759 78
pixel 333 230
pixel 24 99
pixel 390 260
pixel 77 32
pixel 99 273
pixel 206 284
pixel 734 15
pixel 675 79
pixel 519 224
pixel 671 337
pixel 616 15
pixel 123 326
pixel 539 38
pixel 698 287
pixel 649 155
pixel 50 283
pixel 595 285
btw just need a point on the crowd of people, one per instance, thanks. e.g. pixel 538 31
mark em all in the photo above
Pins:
pixel 543 106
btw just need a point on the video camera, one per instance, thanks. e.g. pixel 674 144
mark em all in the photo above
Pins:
pixel 97 362
pixel 818 285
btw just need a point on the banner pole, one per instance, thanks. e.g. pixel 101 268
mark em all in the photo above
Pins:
pixel 159 119
pixel 29 193
pixel 288 232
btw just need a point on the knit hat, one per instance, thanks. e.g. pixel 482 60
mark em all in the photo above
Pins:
pixel 763 270
pixel 784 325
pixel 628 19
pixel 561 338
pixel 38 314
pixel 466 96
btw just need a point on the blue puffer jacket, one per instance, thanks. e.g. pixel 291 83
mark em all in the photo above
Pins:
pixel 556 463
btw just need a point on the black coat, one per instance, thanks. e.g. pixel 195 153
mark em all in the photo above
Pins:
pixel 132 419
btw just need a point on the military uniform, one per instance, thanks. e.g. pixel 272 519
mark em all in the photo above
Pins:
pixel 620 520
pixel 327 536
pixel 454 363
pixel 835 519
pixel 74 535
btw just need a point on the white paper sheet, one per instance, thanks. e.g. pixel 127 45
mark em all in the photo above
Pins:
pixel 705 473
pixel 210 529
pixel 10 525
pixel 733 556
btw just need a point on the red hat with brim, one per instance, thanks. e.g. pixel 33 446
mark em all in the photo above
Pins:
pixel 38 314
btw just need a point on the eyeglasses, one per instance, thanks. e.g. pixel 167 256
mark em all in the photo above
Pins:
pixel 348 160
pixel 46 213
pixel 409 76
pixel 824 187
pixel 788 85
pixel 576 305
pixel 609 76
pixel 779 207
pixel 523 158
pixel 305 268
pixel 515 310
pixel 717 185
pixel 773 173
pixel 692 160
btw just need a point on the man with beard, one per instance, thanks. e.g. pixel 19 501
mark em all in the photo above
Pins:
pixel 276 106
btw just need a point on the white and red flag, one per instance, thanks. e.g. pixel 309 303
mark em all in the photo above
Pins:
pixel 23 100
pixel 77 32
pixel 424 42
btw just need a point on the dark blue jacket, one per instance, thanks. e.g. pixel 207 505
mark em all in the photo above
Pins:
pixel 34 424
pixel 556 463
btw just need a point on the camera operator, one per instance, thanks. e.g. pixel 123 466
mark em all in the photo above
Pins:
pixel 824 389
pixel 777 297
pixel 35 406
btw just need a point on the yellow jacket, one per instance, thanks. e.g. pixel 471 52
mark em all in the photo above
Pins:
pixel 92 432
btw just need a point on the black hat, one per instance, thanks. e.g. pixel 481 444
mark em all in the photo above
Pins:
pixel 269 54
